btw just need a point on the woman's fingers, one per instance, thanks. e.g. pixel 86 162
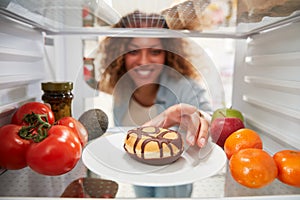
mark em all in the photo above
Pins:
pixel 188 118
pixel 203 132
pixel 197 129
pixel 192 124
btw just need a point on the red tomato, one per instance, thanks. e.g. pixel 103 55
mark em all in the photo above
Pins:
pixel 56 154
pixel 12 147
pixel 28 108
pixel 77 127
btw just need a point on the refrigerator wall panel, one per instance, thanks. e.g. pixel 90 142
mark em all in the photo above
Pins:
pixel 267 85
pixel 21 66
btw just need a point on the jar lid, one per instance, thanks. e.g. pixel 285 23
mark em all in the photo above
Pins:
pixel 57 86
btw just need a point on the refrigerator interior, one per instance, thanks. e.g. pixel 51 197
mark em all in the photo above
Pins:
pixel 57 40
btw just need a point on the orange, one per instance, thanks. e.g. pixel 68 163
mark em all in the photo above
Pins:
pixel 288 164
pixel 242 139
pixel 253 168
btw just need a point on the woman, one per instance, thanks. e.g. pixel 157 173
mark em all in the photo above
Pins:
pixel 153 84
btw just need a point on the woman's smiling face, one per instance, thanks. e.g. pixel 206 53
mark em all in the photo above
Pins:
pixel 145 60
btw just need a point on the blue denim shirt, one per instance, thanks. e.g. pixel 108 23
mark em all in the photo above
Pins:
pixel 171 91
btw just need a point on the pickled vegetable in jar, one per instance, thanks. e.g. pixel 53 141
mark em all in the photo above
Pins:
pixel 59 96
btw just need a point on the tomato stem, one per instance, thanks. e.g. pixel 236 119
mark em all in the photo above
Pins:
pixel 26 132
pixel 37 128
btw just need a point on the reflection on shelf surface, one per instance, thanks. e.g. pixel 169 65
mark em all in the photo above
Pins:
pixel 193 18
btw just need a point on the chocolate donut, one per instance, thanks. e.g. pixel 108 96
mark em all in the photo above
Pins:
pixel 153 145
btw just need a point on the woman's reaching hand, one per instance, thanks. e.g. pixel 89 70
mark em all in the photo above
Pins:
pixel 187 117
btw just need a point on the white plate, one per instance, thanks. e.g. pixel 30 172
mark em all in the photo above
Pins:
pixel 115 156
pixel 106 157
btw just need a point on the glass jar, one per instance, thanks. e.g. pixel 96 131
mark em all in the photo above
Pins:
pixel 59 96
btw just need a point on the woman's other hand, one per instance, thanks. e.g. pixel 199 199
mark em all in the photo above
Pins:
pixel 187 117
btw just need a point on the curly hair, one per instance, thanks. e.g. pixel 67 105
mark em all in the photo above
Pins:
pixel 113 50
